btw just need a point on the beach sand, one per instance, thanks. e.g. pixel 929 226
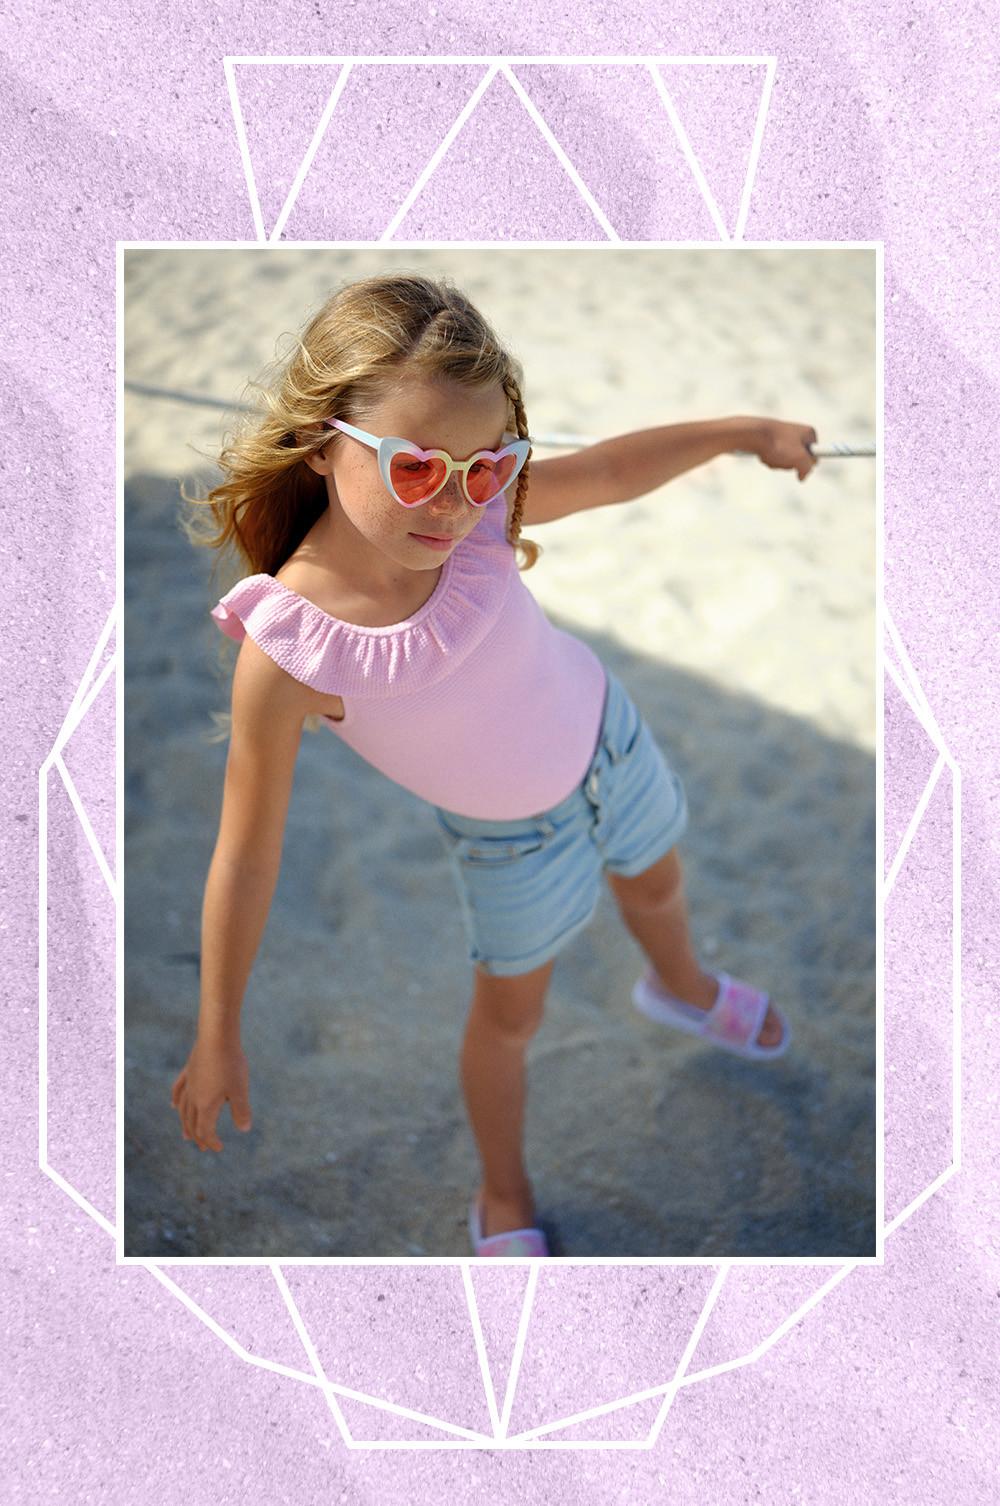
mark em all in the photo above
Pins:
pixel 738 606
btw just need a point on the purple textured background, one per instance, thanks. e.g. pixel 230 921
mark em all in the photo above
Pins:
pixel 878 128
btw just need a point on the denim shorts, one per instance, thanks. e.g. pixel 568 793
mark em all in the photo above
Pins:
pixel 527 886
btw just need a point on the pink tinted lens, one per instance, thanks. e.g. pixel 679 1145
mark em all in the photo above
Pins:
pixel 414 479
pixel 487 478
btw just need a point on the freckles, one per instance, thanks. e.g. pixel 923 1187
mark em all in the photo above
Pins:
pixel 380 514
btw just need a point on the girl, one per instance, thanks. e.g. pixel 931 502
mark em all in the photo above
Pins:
pixel 378 507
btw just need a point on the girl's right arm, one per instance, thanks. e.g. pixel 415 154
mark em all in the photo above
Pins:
pixel 268 711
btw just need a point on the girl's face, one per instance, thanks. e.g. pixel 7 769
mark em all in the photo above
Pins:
pixel 433 414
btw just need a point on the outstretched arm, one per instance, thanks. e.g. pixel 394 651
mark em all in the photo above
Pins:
pixel 616 470
pixel 269 709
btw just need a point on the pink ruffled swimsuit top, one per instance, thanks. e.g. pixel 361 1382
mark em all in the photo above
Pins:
pixel 476 703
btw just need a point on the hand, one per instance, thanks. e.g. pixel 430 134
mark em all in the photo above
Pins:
pixel 213 1075
pixel 783 446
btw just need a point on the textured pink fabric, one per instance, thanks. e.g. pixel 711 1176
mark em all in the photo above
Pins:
pixel 476 703
pixel 738 1013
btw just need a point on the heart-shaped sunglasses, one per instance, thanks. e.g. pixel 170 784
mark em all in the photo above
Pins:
pixel 414 476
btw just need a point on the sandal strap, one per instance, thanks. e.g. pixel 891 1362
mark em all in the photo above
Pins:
pixel 738 1014
pixel 514 1242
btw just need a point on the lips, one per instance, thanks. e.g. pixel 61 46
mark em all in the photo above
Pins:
pixel 439 538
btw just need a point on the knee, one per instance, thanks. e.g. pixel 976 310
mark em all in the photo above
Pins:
pixel 506 1009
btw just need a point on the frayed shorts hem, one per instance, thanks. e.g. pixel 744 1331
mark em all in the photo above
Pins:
pixel 650 856
pixel 510 968
pixel 513 967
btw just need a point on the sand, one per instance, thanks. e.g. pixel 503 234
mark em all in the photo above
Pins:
pixel 738 606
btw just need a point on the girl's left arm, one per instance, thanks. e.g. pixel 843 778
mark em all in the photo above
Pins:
pixel 616 470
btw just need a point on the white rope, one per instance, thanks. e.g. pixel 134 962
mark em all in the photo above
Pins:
pixel 543 441
pixel 834 451
pixel 827 451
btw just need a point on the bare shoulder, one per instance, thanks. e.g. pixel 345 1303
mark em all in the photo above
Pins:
pixel 314 581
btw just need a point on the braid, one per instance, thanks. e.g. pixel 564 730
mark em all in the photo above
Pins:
pixel 528 547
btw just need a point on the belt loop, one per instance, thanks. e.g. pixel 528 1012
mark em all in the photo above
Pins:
pixel 545 826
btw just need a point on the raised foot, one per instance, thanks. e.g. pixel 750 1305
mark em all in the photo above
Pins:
pixel 705 994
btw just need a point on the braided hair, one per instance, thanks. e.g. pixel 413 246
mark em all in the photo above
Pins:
pixel 532 550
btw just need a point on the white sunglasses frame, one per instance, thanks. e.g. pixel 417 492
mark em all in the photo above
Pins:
pixel 389 446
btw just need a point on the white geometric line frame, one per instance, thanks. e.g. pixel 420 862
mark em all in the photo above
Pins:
pixel 912 826
pixel 537 118
pixel 916 700
pixel 305 164
pixel 913 693
pixel 494 66
pixel 86 693
pixel 689 155
pixel 84 820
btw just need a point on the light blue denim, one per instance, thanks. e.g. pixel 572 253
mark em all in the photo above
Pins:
pixel 526 887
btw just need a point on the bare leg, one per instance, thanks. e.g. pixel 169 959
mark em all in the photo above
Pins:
pixel 503 1016
pixel 654 908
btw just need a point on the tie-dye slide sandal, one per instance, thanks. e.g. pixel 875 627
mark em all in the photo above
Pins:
pixel 529 1243
pixel 733 1022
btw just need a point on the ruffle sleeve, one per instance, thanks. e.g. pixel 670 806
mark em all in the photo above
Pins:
pixel 342 658
pixel 229 621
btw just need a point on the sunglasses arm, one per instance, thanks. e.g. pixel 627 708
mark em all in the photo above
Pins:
pixel 339 423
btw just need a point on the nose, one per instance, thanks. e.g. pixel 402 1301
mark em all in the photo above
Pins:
pixel 449 498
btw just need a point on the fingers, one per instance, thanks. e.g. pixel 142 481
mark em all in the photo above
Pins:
pixel 205 1134
pixel 239 1107
pixel 788 449
pixel 179 1100
pixel 204 1129
pixel 185 1110
pixel 185 1121
pixel 198 1105
pixel 809 437
pixel 196 1125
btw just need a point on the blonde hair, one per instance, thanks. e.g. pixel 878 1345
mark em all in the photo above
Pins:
pixel 340 367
